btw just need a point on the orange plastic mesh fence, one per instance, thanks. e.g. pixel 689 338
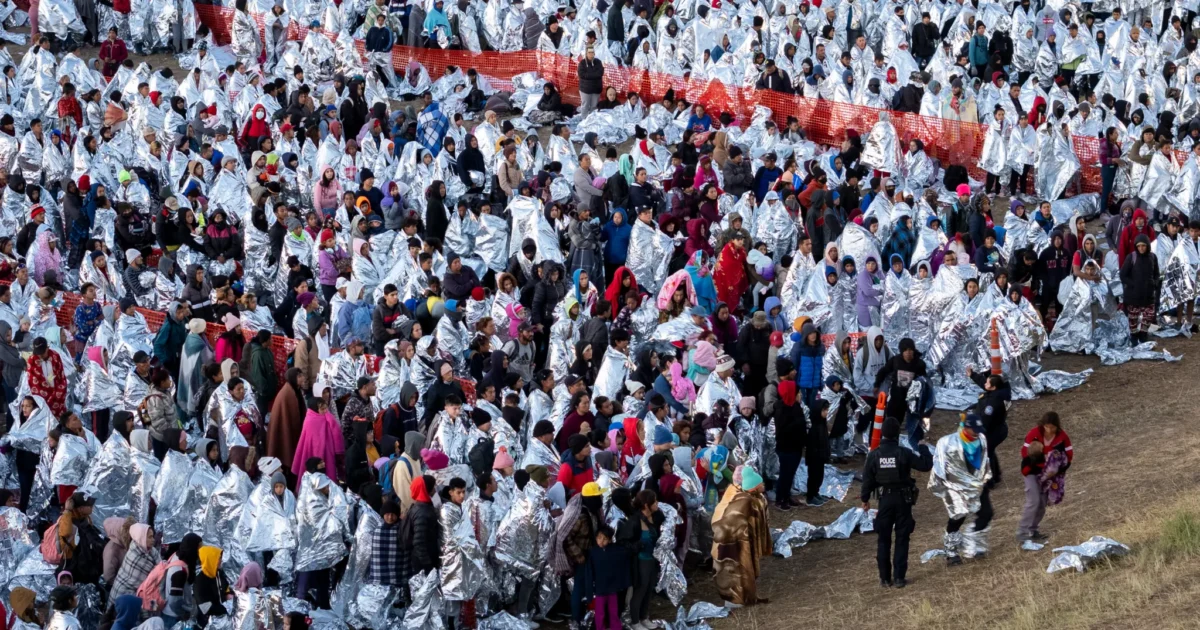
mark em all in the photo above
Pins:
pixel 825 122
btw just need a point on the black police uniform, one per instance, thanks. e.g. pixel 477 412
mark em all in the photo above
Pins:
pixel 888 471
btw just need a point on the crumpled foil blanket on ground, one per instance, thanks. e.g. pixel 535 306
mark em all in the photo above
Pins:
pixel 800 533
pixel 1081 556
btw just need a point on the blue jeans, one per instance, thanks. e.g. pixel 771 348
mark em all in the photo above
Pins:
pixel 1107 175
pixel 809 396
pixel 578 607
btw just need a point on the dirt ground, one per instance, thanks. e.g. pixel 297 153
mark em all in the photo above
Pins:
pixel 1134 474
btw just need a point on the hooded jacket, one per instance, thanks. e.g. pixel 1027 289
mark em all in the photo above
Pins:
pixel 616 238
pixel 1139 276
pixel 1131 232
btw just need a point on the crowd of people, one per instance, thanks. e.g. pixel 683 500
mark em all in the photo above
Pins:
pixel 422 361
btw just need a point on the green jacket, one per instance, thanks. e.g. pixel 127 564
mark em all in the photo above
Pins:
pixel 168 344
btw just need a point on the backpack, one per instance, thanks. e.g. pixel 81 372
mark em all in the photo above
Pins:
pixel 49 547
pixel 151 589
pixel 378 425
pixel 482 456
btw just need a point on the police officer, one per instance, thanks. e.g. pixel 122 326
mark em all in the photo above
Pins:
pixel 993 409
pixel 888 471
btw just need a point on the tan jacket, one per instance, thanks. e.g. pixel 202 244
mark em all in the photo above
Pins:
pixel 510 177
pixel 307 361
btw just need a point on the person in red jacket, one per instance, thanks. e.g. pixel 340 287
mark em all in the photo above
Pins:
pixel 1049 432
pixel 113 51
pixel 576 468
pixel 1140 225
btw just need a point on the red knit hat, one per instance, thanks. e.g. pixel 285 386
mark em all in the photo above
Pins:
pixel 326 234
pixel 477 294
pixel 85 183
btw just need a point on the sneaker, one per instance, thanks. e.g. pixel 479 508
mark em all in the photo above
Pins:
pixel 784 507
pixel 900 583
pixel 885 583
pixel 953 561
pixel 797 502
pixel 1039 537
pixel 815 502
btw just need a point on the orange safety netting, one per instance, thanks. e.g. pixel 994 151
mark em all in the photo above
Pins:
pixel 825 122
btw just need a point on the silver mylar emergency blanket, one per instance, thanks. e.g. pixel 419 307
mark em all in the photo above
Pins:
pixel 649 255
pixel 132 335
pixel 71 460
pixel 614 369
pixel 894 308
pixel 716 388
pixel 1081 556
pixel 31 434
pixel 882 148
pixel 365 605
pixel 520 537
pixel 794 537
pixel 257 275
pixel 1021 233
pixel 529 222
pixel 836 484
pixel 267 523
pixel 953 482
pixel 223 411
pixel 111 480
pixel 341 372
pixel 491 242
pixel 680 328
pixel 16 542
pixel 1056 165
pixel 322 523
pixel 1179 277
pixel 258 609
pixel 176 498
pixel 775 227
pixel 229 499
pixel 1081 326
pixel 464 561
pixel 425 610
pixel 59 18
pixel 671 580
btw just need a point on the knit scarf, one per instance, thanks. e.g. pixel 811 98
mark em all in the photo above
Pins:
pixel 972 450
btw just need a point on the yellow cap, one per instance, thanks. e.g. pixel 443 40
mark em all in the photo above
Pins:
pixel 591 489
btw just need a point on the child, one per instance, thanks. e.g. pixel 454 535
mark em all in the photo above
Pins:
pixel 1032 466
pixel 609 564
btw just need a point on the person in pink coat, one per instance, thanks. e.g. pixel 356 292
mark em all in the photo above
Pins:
pixel 320 437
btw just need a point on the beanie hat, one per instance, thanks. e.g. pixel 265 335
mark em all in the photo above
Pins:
pixel 503 460
pixel 537 474
pixel 725 363
pixel 662 435
pixel 197 327
pixel 963 190
pixel 434 460
pixel 477 294
pixel 891 429
pixel 750 479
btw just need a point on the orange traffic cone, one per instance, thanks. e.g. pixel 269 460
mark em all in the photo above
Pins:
pixel 995 349
pixel 877 429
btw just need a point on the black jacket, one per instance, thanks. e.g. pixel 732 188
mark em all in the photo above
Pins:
pixel 992 408
pixel 591 76
pixel 924 39
pixel 548 294
pixel 791 430
pixel 458 286
pixel 380 323
pixel 425 542
pixel 615 22
pixel 595 332
pixel 1139 276
pixel 1052 267
pixel 890 466
pixel 754 345
pixel 777 81
pixel 910 98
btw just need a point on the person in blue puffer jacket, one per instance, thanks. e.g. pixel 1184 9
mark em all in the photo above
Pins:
pixel 615 235
pixel 807 354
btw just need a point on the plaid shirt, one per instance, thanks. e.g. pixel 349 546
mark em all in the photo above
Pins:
pixel 137 565
pixel 431 128
pixel 388 564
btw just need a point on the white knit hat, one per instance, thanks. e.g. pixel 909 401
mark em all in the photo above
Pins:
pixel 725 363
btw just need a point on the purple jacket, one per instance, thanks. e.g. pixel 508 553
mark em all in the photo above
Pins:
pixel 328 272
pixel 870 288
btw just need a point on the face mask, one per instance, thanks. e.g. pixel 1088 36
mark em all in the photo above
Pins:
pixel 260 115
